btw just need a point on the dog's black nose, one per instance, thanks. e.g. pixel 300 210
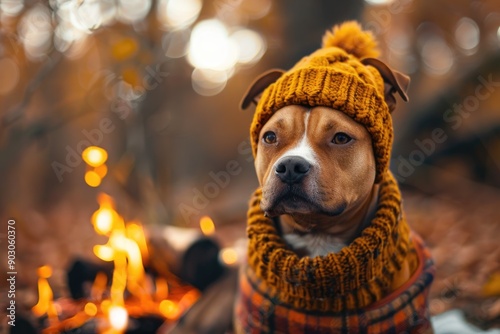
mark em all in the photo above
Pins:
pixel 292 169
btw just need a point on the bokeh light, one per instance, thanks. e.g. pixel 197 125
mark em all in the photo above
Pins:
pixel 85 16
pixel 437 56
pixel 210 46
pixel 35 31
pixel 101 170
pixel 11 7
pixel 77 20
pixel 250 45
pixel 92 178
pixel 228 256
pixel 215 53
pixel 398 41
pixel 207 225
pixel 208 82
pixel 130 11
pixel 125 48
pixel 90 309
pixel 256 9
pixel 379 2
pixel 94 156
pixel 467 34
pixel 176 14
pixel 65 36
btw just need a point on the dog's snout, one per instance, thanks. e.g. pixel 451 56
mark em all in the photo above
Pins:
pixel 292 169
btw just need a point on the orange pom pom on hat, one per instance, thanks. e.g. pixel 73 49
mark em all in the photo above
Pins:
pixel 335 76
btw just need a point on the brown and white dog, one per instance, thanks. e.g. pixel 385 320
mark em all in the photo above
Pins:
pixel 320 181
pixel 329 249
pixel 317 170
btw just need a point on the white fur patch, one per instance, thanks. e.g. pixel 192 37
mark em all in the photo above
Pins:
pixel 315 244
pixel 303 148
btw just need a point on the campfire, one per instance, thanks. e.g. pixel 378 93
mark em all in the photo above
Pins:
pixel 109 305
pixel 124 290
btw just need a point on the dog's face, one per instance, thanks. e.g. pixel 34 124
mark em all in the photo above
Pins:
pixel 313 162
pixel 317 163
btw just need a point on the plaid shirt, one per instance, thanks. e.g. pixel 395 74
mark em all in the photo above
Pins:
pixel 403 311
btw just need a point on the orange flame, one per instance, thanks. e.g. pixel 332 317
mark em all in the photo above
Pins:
pixel 45 303
pixel 119 281
pixel 104 252
pixel 126 247
pixel 99 286
pixel 105 217
pixel 136 233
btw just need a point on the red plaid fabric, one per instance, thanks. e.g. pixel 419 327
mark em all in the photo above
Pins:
pixel 403 311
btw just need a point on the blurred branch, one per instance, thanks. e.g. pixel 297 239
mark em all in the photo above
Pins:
pixel 142 184
pixel 20 137
pixel 467 145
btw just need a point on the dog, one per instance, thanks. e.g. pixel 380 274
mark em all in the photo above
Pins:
pixel 322 164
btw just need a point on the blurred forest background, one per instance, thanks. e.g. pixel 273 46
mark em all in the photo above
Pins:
pixel 157 84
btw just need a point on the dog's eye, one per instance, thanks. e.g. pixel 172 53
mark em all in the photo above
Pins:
pixel 341 138
pixel 269 137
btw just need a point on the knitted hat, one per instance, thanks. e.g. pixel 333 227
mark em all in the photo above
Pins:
pixel 340 75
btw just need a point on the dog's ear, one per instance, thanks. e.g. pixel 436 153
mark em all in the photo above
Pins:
pixel 257 87
pixel 394 81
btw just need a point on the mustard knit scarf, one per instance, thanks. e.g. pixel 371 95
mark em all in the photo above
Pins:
pixel 357 276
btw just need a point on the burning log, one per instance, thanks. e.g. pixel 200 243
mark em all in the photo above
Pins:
pixel 82 274
pixel 145 325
